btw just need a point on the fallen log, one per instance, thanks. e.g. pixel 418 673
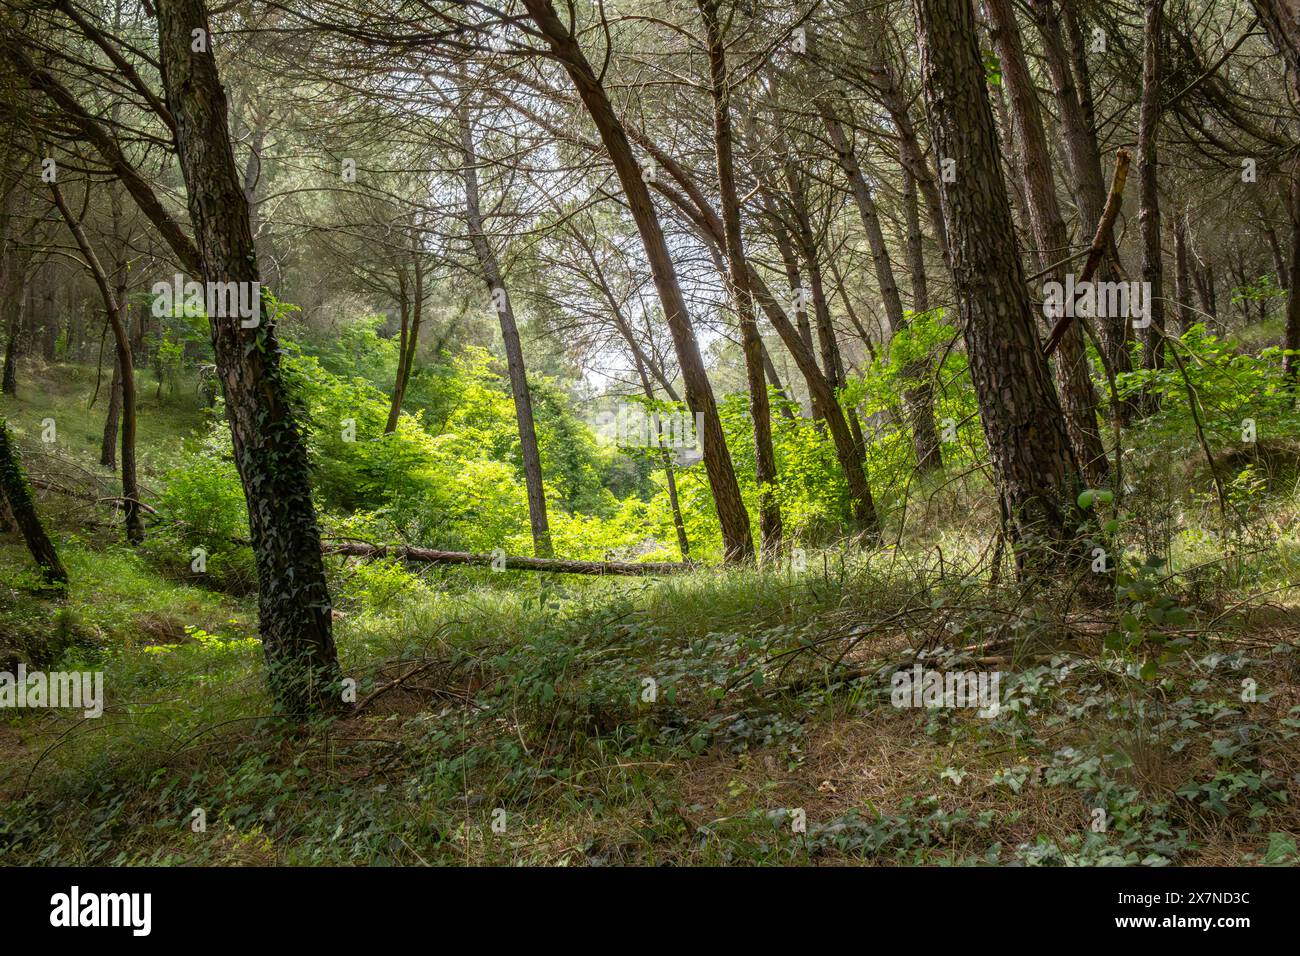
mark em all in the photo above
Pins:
pixel 499 561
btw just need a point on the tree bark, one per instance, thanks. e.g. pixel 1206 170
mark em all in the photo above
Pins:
pixel 918 400
pixel 270 453
pixel 1073 378
pixel 1034 467
pixel 15 490
pixel 113 418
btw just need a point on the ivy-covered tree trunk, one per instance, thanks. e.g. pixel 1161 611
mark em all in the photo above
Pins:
pixel 271 455
pixel 15 490
pixel 1034 468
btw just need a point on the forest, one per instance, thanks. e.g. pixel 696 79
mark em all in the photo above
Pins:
pixel 649 432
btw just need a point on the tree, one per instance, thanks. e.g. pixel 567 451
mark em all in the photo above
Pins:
pixel 1034 468
pixel 1074 382
pixel 760 410
pixel 490 270
pixel 124 373
pixel 738 542
pixel 293 598
pixel 1148 182
pixel 15 490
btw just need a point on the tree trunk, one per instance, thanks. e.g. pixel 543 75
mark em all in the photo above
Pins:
pixel 1203 280
pixel 108 442
pixel 918 401
pixel 760 410
pixel 1074 381
pixel 790 260
pixel 1182 275
pixel 490 270
pixel 1283 28
pixel 1275 250
pixel 1291 337
pixel 412 319
pixel 883 267
pixel 17 313
pixel 738 542
pixel 404 332
pixel 666 456
pixel 1034 468
pixel 1148 195
pixel 910 153
pixel 15 490
pixel 1066 57
pixel 50 326
pixel 123 392
pixel 293 597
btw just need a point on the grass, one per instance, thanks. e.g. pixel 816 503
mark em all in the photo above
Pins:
pixel 528 707
pixel 739 717
pixel 64 392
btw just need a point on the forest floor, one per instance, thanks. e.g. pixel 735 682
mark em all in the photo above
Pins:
pixel 719 717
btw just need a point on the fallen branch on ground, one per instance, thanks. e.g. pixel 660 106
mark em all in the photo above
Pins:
pixel 508 562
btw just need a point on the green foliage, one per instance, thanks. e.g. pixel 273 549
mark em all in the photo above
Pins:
pixel 922 352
